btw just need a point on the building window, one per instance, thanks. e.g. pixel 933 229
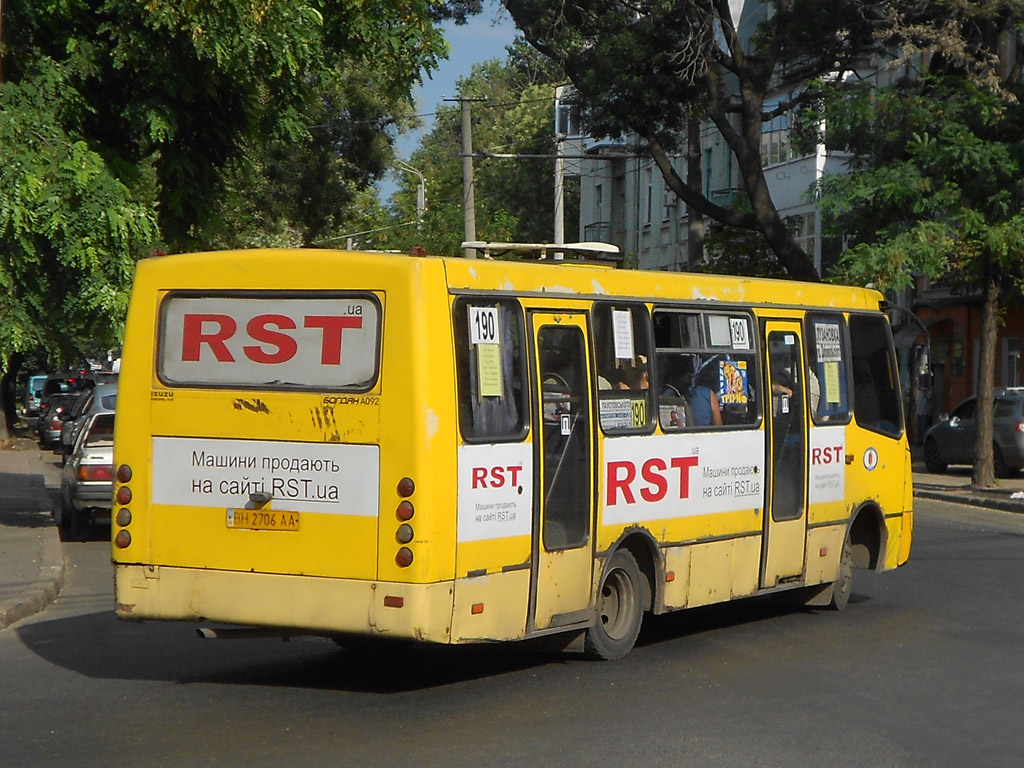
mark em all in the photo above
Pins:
pixel 1011 361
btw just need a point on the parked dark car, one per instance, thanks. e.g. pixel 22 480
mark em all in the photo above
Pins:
pixel 100 399
pixel 33 398
pixel 87 480
pixel 952 440
pixel 51 419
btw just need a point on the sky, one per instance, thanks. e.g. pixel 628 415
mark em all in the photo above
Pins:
pixel 484 37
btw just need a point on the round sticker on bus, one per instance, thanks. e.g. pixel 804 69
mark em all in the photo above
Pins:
pixel 870 459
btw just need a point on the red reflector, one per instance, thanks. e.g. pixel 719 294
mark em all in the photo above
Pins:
pixel 477 609
pixel 393 601
pixel 823 552
pixel 670 575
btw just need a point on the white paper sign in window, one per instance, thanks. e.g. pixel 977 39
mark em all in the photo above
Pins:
pixel 622 329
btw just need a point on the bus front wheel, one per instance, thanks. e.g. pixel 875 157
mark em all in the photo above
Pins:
pixel 619 609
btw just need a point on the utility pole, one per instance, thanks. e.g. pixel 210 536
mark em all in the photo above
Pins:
pixel 468 201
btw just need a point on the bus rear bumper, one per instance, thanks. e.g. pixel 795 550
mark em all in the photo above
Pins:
pixel 294 604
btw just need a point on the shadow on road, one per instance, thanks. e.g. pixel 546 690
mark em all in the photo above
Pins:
pixel 99 645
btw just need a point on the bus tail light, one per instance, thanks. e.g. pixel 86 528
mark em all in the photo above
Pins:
pixel 123 539
pixel 124 473
pixel 405 510
pixel 123 517
pixel 406 487
pixel 124 495
pixel 404 557
pixel 405 533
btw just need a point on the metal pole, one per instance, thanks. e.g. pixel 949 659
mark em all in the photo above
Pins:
pixel 468 201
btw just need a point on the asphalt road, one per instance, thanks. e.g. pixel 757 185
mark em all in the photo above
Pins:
pixel 922 669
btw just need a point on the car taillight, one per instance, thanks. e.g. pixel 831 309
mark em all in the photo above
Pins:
pixel 91 472
pixel 1019 426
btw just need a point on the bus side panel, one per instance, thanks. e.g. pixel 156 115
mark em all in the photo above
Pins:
pixel 491 607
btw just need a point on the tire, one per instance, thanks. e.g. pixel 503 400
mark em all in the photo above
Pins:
pixel 932 460
pixel 999 465
pixel 619 609
pixel 65 513
pixel 843 584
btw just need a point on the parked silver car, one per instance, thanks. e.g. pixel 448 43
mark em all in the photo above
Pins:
pixel 87 480
pixel 952 440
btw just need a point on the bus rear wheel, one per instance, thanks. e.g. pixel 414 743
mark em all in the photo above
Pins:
pixel 843 584
pixel 619 609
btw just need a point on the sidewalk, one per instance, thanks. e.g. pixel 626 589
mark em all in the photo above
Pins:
pixel 32 556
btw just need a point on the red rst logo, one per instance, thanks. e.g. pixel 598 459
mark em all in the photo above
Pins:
pixel 496 477
pixel 655 472
pixel 830 455
pixel 274 345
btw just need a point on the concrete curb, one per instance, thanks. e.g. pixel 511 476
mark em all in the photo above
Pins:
pixel 973 500
pixel 44 590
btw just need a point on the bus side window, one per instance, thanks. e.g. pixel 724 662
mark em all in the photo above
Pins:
pixel 489 349
pixel 828 357
pixel 876 387
pixel 707 369
pixel 622 352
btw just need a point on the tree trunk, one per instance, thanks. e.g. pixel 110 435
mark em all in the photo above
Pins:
pixel 984 472
pixel 8 394
pixel 694 180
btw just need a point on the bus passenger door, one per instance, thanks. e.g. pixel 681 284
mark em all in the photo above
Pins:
pixel 785 524
pixel 562 547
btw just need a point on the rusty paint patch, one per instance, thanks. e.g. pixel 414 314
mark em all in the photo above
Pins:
pixel 254 406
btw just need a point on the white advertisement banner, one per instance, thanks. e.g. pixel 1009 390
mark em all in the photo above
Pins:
pixel 827 476
pixel 331 478
pixel 495 491
pixel 654 478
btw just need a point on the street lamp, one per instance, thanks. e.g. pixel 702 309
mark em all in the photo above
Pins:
pixel 421 190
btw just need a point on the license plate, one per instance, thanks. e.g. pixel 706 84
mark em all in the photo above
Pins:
pixel 262 520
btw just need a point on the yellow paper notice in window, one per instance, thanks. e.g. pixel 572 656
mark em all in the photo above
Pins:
pixel 488 365
pixel 832 383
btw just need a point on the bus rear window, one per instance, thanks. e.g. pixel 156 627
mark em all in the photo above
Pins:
pixel 270 341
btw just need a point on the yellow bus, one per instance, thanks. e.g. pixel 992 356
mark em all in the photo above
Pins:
pixel 471 450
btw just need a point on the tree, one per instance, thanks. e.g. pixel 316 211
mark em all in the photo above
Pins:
pixel 130 125
pixel 513 113
pixel 648 67
pixel 937 189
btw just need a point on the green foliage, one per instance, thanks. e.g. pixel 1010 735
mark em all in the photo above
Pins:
pixel 938 186
pixel 514 196
pixel 69 228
